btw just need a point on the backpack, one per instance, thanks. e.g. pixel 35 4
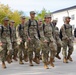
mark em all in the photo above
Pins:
pixel 61 36
pixel 37 27
pixel 75 32
pixel 3 30
pixel 61 32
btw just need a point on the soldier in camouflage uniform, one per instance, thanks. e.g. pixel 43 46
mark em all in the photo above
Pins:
pixel 14 39
pixel 56 35
pixel 22 35
pixel 40 27
pixel 49 43
pixel 43 45
pixel 5 42
pixel 33 38
pixel 67 40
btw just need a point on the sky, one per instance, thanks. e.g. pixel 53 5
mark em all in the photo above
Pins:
pixel 28 5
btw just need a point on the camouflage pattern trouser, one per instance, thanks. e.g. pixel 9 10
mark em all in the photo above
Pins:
pixel 6 47
pixel 22 50
pixel 59 45
pixel 53 49
pixel 33 46
pixel 15 49
pixel 45 52
pixel 69 44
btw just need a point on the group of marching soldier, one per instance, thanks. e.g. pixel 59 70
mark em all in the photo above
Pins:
pixel 34 40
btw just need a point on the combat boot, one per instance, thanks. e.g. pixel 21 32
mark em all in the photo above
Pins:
pixel 65 60
pixel 57 56
pixel 40 57
pixel 3 65
pixel 36 60
pixel 31 64
pixel 8 59
pixel 70 59
pixel 15 58
pixel 20 61
pixel 26 58
pixel 51 62
pixel 45 66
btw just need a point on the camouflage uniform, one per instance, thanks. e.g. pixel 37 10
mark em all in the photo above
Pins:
pixel 40 27
pixel 67 41
pixel 14 41
pixel 49 37
pixel 6 43
pixel 44 46
pixel 56 35
pixel 33 44
pixel 23 36
pixel 49 46
pixel 58 42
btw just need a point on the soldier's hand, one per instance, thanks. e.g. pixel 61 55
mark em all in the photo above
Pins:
pixel 20 40
pixel 45 41
pixel 0 43
pixel 8 52
pixel 29 38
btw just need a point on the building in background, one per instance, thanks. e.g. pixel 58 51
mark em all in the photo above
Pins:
pixel 60 15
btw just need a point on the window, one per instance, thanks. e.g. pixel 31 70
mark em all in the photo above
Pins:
pixel 73 17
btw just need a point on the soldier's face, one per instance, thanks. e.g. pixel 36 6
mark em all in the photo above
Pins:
pixel 12 23
pixel 40 22
pixel 6 22
pixel 47 19
pixel 32 15
pixel 23 20
pixel 68 20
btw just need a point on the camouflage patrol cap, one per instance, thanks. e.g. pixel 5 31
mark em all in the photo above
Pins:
pixel 40 20
pixel 50 15
pixel 23 17
pixel 54 21
pixel 5 19
pixel 47 16
pixel 67 17
pixel 32 12
pixel 12 21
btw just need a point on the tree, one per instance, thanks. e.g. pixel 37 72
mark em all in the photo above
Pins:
pixel 5 10
pixel 42 14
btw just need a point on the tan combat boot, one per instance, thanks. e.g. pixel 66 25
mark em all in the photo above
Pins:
pixel 36 60
pixel 26 58
pixel 31 64
pixel 15 58
pixel 45 66
pixel 3 65
pixel 51 62
pixel 70 59
pixel 65 60
pixel 20 61
pixel 8 59
pixel 57 56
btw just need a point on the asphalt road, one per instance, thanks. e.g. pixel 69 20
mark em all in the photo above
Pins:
pixel 59 69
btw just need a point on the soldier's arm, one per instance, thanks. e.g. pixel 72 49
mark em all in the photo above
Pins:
pixel 0 35
pixel 17 32
pixel 63 33
pixel 28 26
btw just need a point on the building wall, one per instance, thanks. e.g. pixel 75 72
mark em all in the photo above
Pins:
pixel 60 15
